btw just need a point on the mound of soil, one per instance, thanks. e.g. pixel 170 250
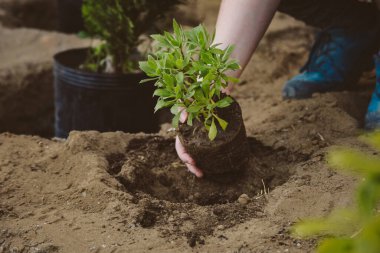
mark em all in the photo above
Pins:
pixel 118 192
pixel 26 78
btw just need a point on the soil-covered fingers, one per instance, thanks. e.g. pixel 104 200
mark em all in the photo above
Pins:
pixel 227 90
pixel 187 159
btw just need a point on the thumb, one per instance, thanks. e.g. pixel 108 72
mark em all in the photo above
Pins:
pixel 183 116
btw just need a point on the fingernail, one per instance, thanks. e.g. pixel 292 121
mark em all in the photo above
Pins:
pixel 183 117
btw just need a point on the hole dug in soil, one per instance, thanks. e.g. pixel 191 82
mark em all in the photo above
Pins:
pixel 150 165
pixel 176 203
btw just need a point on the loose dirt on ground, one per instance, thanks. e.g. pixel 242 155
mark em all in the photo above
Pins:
pixel 119 192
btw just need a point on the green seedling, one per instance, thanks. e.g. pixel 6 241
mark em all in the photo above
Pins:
pixel 190 73
pixel 119 24
pixel 355 229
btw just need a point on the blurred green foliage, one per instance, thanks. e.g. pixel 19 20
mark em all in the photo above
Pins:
pixel 355 229
pixel 190 73
pixel 119 25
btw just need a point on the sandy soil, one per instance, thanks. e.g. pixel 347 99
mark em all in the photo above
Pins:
pixel 26 78
pixel 118 192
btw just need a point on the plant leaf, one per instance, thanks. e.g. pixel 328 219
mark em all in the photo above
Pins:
pixel 144 66
pixel 337 245
pixel 222 122
pixel 190 119
pixel 233 79
pixel 175 120
pixel 213 131
pixel 162 93
pixel 148 80
pixel 174 109
pixel 228 52
pixel 194 108
pixel 354 161
pixel 177 30
pixel 168 79
pixel 179 77
pixel 161 39
pixel 368 195
pixel 162 103
pixel 224 102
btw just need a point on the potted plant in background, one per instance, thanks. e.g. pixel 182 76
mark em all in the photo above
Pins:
pixel 97 88
pixel 189 74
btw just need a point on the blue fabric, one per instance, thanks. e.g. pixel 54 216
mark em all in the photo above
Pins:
pixel 372 119
pixel 336 61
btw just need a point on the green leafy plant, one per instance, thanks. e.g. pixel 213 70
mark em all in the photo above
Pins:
pixel 356 229
pixel 190 73
pixel 119 24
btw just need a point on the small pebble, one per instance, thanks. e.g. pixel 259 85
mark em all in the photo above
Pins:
pixel 316 158
pixel 183 216
pixel 53 156
pixel 171 219
pixel 244 199
pixel 312 118
pixel 220 227
pixel 313 132
pixel 299 245
pixel 333 104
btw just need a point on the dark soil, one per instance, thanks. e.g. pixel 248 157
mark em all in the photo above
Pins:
pixel 150 165
pixel 227 153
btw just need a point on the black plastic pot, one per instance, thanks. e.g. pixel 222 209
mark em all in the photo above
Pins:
pixel 70 16
pixel 102 102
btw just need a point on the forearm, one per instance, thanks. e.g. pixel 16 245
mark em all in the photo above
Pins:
pixel 243 24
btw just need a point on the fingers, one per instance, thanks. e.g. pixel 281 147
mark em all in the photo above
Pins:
pixel 227 90
pixel 193 169
pixel 187 159
pixel 183 116
pixel 182 154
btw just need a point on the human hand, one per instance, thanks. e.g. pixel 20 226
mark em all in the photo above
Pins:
pixel 183 155
pixel 181 151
